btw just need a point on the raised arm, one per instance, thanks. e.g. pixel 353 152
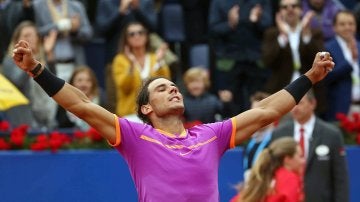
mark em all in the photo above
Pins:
pixel 69 97
pixel 278 104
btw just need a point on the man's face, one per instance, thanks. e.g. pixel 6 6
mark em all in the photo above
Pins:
pixel 290 11
pixel 165 98
pixel 345 26
pixel 304 109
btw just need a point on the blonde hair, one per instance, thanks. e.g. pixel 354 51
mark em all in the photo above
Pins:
pixel 262 173
pixel 194 73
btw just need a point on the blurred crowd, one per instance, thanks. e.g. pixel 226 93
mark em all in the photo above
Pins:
pixel 220 52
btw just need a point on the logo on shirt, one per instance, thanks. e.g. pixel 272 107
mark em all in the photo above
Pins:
pixel 186 149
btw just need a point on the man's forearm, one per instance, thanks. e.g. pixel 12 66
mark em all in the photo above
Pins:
pixel 48 81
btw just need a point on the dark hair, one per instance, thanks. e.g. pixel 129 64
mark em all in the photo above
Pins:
pixel 347 12
pixel 123 36
pixel 143 99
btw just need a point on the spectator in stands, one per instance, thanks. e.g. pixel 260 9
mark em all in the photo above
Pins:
pixel 69 19
pixel 288 48
pixel 111 19
pixel 11 14
pixel 200 105
pixel 324 12
pixel 41 111
pixel 134 63
pixel 113 15
pixel 276 175
pixel 259 140
pixel 326 173
pixel 84 79
pixel 344 82
pixel 235 31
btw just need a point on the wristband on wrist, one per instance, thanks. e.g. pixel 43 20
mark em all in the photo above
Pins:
pixel 299 87
pixel 36 70
pixel 49 82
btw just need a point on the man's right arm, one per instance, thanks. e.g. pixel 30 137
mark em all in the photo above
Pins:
pixel 69 97
pixel 76 102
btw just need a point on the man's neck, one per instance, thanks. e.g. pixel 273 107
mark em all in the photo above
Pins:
pixel 170 124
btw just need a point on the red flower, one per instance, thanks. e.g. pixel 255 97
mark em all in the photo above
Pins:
pixel 42 138
pixel 341 117
pixel 94 135
pixel 41 143
pixel 350 126
pixel 4 125
pixel 356 117
pixel 17 136
pixel 4 145
pixel 358 139
pixel 57 140
pixel 39 146
pixel 78 134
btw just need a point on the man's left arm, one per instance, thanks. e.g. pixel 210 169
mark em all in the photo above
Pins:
pixel 276 105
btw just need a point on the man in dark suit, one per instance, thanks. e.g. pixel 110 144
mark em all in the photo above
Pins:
pixel 326 173
pixel 288 48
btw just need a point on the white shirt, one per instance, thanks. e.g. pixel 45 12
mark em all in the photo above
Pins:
pixel 308 130
pixel 294 38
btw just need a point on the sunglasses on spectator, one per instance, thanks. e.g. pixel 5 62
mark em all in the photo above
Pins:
pixel 134 33
pixel 293 6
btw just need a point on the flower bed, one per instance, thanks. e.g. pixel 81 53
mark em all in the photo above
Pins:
pixel 350 126
pixel 21 138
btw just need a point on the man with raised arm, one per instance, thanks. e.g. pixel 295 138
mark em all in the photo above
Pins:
pixel 166 160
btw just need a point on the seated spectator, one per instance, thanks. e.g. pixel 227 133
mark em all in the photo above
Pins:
pixel 324 12
pixel 42 108
pixel 85 80
pixel 276 175
pixel 200 105
pixel 134 63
